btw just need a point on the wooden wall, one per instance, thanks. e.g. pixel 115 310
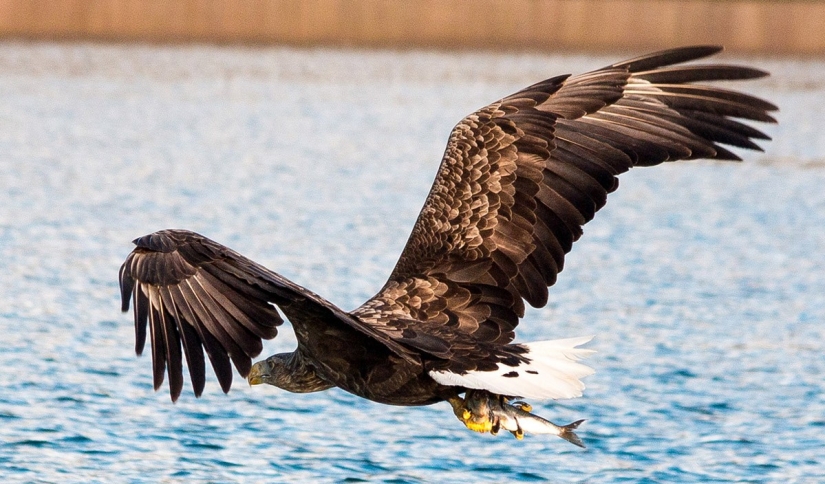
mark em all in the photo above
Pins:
pixel 793 26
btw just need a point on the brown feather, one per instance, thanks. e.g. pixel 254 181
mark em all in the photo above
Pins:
pixel 571 136
pixel 518 180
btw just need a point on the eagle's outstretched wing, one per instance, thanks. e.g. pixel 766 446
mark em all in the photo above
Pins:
pixel 520 178
pixel 198 294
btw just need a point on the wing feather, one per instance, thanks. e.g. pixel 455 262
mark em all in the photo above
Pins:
pixel 158 348
pixel 199 295
pixel 141 315
pixel 520 177
pixel 192 345
pixel 216 353
pixel 705 73
pixel 171 277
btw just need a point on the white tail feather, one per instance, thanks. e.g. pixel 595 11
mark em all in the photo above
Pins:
pixel 552 371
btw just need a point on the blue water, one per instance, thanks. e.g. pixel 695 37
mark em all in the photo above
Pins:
pixel 703 282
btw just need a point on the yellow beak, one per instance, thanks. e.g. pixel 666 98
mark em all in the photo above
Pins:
pixel 258 373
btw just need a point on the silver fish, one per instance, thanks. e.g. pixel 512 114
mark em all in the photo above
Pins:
pixel 488 412
pixel 518 420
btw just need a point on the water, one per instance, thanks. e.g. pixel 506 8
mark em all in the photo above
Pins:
pixel 702 282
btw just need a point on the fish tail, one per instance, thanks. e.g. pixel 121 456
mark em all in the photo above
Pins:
pixel 566 432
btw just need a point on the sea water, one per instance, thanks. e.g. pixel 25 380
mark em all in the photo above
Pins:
pixel 703 282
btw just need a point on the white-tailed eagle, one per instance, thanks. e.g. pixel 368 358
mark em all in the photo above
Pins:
pixel 517 182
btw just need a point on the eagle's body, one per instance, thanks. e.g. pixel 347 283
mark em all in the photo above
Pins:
pixel 518 180
pixel 343 357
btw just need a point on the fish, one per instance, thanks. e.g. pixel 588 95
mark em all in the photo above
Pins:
pixel 487 412
pixel 518 420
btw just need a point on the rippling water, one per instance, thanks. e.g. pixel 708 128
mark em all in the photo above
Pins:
pixel 703 282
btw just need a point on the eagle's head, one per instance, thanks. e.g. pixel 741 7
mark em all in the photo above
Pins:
pixel 272 371
pixel 289 372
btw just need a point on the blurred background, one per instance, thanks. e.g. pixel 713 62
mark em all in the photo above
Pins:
pixel 783 26
pixel 305 134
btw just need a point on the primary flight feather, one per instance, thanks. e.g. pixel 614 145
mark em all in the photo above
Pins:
pixel 518 180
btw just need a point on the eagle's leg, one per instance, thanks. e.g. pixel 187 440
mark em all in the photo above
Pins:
pixel 475 410
pixel 524 406
pixel 459 409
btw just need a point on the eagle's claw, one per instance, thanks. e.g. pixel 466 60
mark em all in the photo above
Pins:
pixel 476 412
pixel 523 406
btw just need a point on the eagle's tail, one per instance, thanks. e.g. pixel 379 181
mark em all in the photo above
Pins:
pixel 547 370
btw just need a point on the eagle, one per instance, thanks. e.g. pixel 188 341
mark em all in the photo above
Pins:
pixel 518 180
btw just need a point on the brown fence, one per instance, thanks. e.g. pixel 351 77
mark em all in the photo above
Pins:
pixel 795 26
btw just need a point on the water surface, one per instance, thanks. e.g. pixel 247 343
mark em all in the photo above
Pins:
pixel 702 282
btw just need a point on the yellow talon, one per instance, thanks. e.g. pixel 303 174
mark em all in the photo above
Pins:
pixel 526 407
pixel 474 418
pixel 518 434
pixel 480 427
